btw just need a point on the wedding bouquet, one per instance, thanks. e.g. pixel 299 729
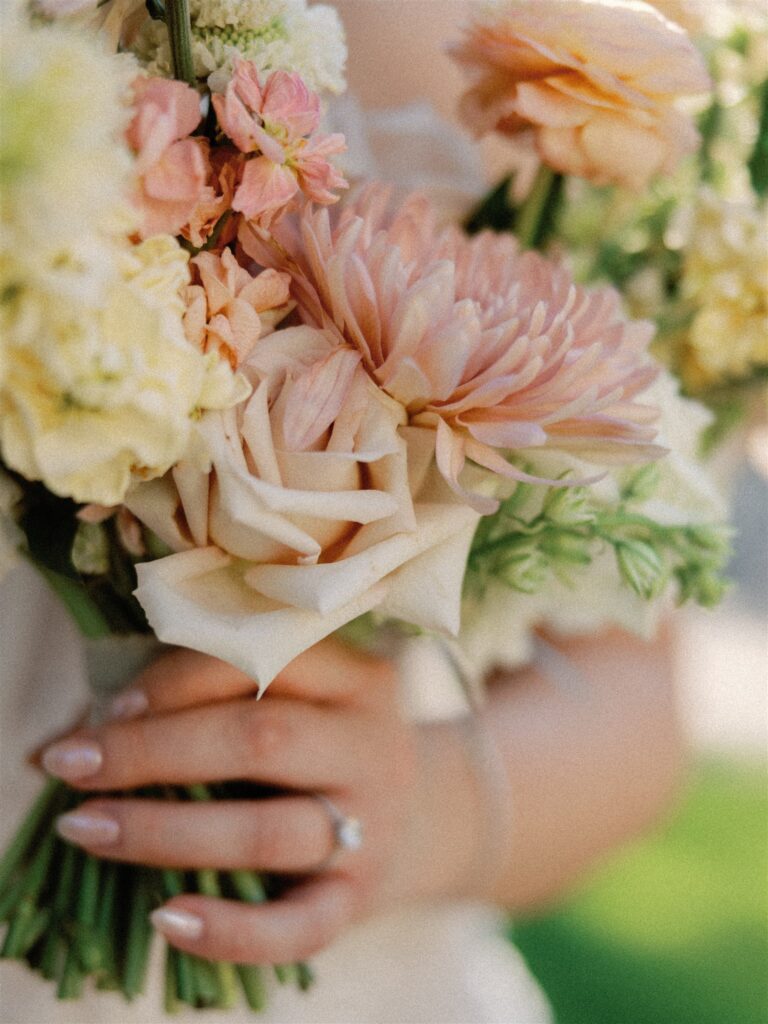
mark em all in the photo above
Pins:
pixel 240 417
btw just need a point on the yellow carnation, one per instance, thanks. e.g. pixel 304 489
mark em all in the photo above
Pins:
pixel 92 395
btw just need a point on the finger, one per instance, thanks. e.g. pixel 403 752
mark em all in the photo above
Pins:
pixel 285 834
pixel 281 742
pixel 180 679
pixel 334 673
pixel 294 927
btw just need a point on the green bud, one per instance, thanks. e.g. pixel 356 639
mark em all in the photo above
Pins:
pixel 568 506
pixel 640 567
pixel 527 570
pixel 641 485
pixel 714 538
pixel 90 549
pixel 567 547
pixel 702 585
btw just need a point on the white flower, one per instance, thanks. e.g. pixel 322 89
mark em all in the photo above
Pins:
pixel 315 505
pixel 90 394
pixel 64 169
pixel 275 34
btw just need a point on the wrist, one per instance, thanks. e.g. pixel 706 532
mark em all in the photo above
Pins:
pixel 460 822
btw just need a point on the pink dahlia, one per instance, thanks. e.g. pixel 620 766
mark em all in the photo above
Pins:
pixel 493 349
pixel 278 125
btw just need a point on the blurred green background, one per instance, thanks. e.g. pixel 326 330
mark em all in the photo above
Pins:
pixel 675 931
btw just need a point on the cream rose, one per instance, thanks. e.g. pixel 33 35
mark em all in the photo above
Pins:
pixel 598 83
pixel 308 505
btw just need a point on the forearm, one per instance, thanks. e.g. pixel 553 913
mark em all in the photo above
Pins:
pixel 583 769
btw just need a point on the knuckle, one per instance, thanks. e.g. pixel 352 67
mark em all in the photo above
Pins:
pixel 264 732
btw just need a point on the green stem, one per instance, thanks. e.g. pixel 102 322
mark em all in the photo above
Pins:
pixel 87 942
pixel 535 217
pixel 224 975
pixel 252 981
pixel 180 38
pixel 55 942
pixel 26 909
pixel 139 935
pixel 41 808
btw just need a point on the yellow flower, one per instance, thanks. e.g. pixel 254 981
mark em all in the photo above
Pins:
pixel 724 276
pixel 93 395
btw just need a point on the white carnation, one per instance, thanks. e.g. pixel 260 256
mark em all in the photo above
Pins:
pixel 275 34
pixel 64 169
pixel 92 396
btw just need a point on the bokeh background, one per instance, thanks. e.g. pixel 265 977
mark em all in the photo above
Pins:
pixel 673 930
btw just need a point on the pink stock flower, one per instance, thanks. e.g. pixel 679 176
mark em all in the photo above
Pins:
pixel 278 123
pixel 493 350
pixel 224 164
pixel 598 83
pixel 172 168
pixel 228 310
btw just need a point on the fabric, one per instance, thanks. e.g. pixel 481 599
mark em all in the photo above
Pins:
pixel 447 964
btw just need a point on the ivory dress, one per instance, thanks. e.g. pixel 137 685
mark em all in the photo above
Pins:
pixel 432 964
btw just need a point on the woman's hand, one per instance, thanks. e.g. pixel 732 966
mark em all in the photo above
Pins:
pixel 330 724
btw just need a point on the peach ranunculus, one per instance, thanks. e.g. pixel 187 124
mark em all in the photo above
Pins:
pixel 171 167
pixel 278 124
pixel 597 82
pixel 228 309
pixel 488 349
pixel 304 509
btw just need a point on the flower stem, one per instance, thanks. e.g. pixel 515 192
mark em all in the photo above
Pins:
pixel 535 218
pixel 180 37
pixel 139 935
pixel 13 856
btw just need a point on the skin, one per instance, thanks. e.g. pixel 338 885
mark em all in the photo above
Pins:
pixel 578 774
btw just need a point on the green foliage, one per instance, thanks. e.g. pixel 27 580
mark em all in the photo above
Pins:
pixel 675 929
pixel 494 211
pixel 528 542
pixel 758 161
pixel 86 565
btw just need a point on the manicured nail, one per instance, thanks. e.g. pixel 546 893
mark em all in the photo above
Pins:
pixel 73 759
pixel 87 829
pixel 128 704
pixel 177 924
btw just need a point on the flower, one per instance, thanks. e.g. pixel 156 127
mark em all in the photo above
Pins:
pixel 92 394
pixel 303 509
pixel 279 123
pixel 64 167
pixel 725 270
pixel 284 35
pixel 171 167
pixel 499 628
pixel 223 309
pixel 488 349
pixel 213 212
pixel 598 83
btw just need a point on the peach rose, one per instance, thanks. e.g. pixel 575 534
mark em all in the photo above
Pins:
pixel 597 82
pixel 307 506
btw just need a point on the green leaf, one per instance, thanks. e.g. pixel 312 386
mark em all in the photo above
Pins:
pixel 758 161
pixel 494 210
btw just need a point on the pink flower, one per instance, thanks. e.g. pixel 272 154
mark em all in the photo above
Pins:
pixel 224 166
pixel 277 123
pixel 596 82
pixel 172 168
pixel 492 350
pixel 223 309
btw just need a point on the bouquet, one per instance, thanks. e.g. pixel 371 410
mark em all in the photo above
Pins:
pixel 240 415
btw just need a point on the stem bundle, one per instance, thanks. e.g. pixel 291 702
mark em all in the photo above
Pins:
pixel 73 917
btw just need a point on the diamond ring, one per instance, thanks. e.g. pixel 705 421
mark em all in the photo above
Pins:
pixel 347 831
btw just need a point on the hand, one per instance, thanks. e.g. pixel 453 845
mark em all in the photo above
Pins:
pixel 331 724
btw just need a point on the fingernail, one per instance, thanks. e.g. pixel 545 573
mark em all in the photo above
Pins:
pixel 177 924
pixel 72 760
pixel 87 829
pixel 128 704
